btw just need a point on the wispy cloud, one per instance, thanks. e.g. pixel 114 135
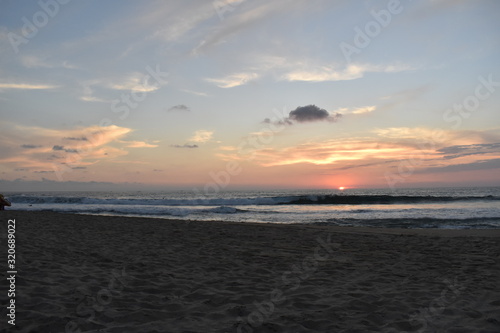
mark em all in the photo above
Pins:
pixel 136 82
pixel 459 167
pixel 239 21
pixel 197 93
pixel 358 110
pixel 453 152
pixel 202 136
pixel 138 144
pixel 234 80
pixel 297 70
pixel 31 61
pixel 88 95
pixel 333 73
pixel 329 152
pixel 26 86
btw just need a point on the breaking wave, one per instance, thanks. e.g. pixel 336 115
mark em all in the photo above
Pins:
pixel 278 200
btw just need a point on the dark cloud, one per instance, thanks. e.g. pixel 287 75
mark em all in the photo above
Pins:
pixel 355 166
pixel 309 113
pixel 43 171
pixel 284 121
pixel 30 146
pixel 76 139
pixel 180 107
pixel 61 148
pixel 184 146
pixel 452 152
pixel 306 114
pixel 53 157
pixel 473 166
pixel 79 168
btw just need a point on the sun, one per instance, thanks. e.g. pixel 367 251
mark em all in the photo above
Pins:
pixel 341 188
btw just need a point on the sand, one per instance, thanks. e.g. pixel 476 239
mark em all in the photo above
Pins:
pixel 79 273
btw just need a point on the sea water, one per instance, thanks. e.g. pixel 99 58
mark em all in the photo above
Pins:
pixel 450 208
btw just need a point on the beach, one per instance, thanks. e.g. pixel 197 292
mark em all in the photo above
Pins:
pixel 85 273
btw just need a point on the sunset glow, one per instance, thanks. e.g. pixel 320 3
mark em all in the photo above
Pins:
pixel 179 94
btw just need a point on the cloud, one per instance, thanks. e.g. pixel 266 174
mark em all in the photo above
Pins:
pixel 34 62
pixel 234 80
pixel 453 152
pixel 76 139
pixel 27 86
pixel 31 61
pixel 359 110
pixel 289 69
pixel 57 149
pixel 418 135
pixel 355 166
pixel 201 136
pixel 136 82
pixel 310 113
pixel 326 152
pixel 184 146
pixel 197 93
pixel 238 22
pixel 30 146
pixel 180 107
pixel 181 19
pixel 228 148
pixel 472 166
pixel 138 144
pixel 422 147
pixel 133 82
pixel 305 114
pixel 332 73
pixel 88 94
pixel 67 150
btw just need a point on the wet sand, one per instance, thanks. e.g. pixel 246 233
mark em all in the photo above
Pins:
pixel 82 273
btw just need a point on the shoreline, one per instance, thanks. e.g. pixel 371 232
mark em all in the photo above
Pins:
pixel 127 274
pixel 493 232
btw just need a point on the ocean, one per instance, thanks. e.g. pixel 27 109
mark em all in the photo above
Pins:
pixel 447 208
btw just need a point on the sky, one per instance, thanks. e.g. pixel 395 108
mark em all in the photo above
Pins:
pixel 226 94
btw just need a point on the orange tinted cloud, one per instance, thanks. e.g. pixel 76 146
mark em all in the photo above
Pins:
pixel 41 149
